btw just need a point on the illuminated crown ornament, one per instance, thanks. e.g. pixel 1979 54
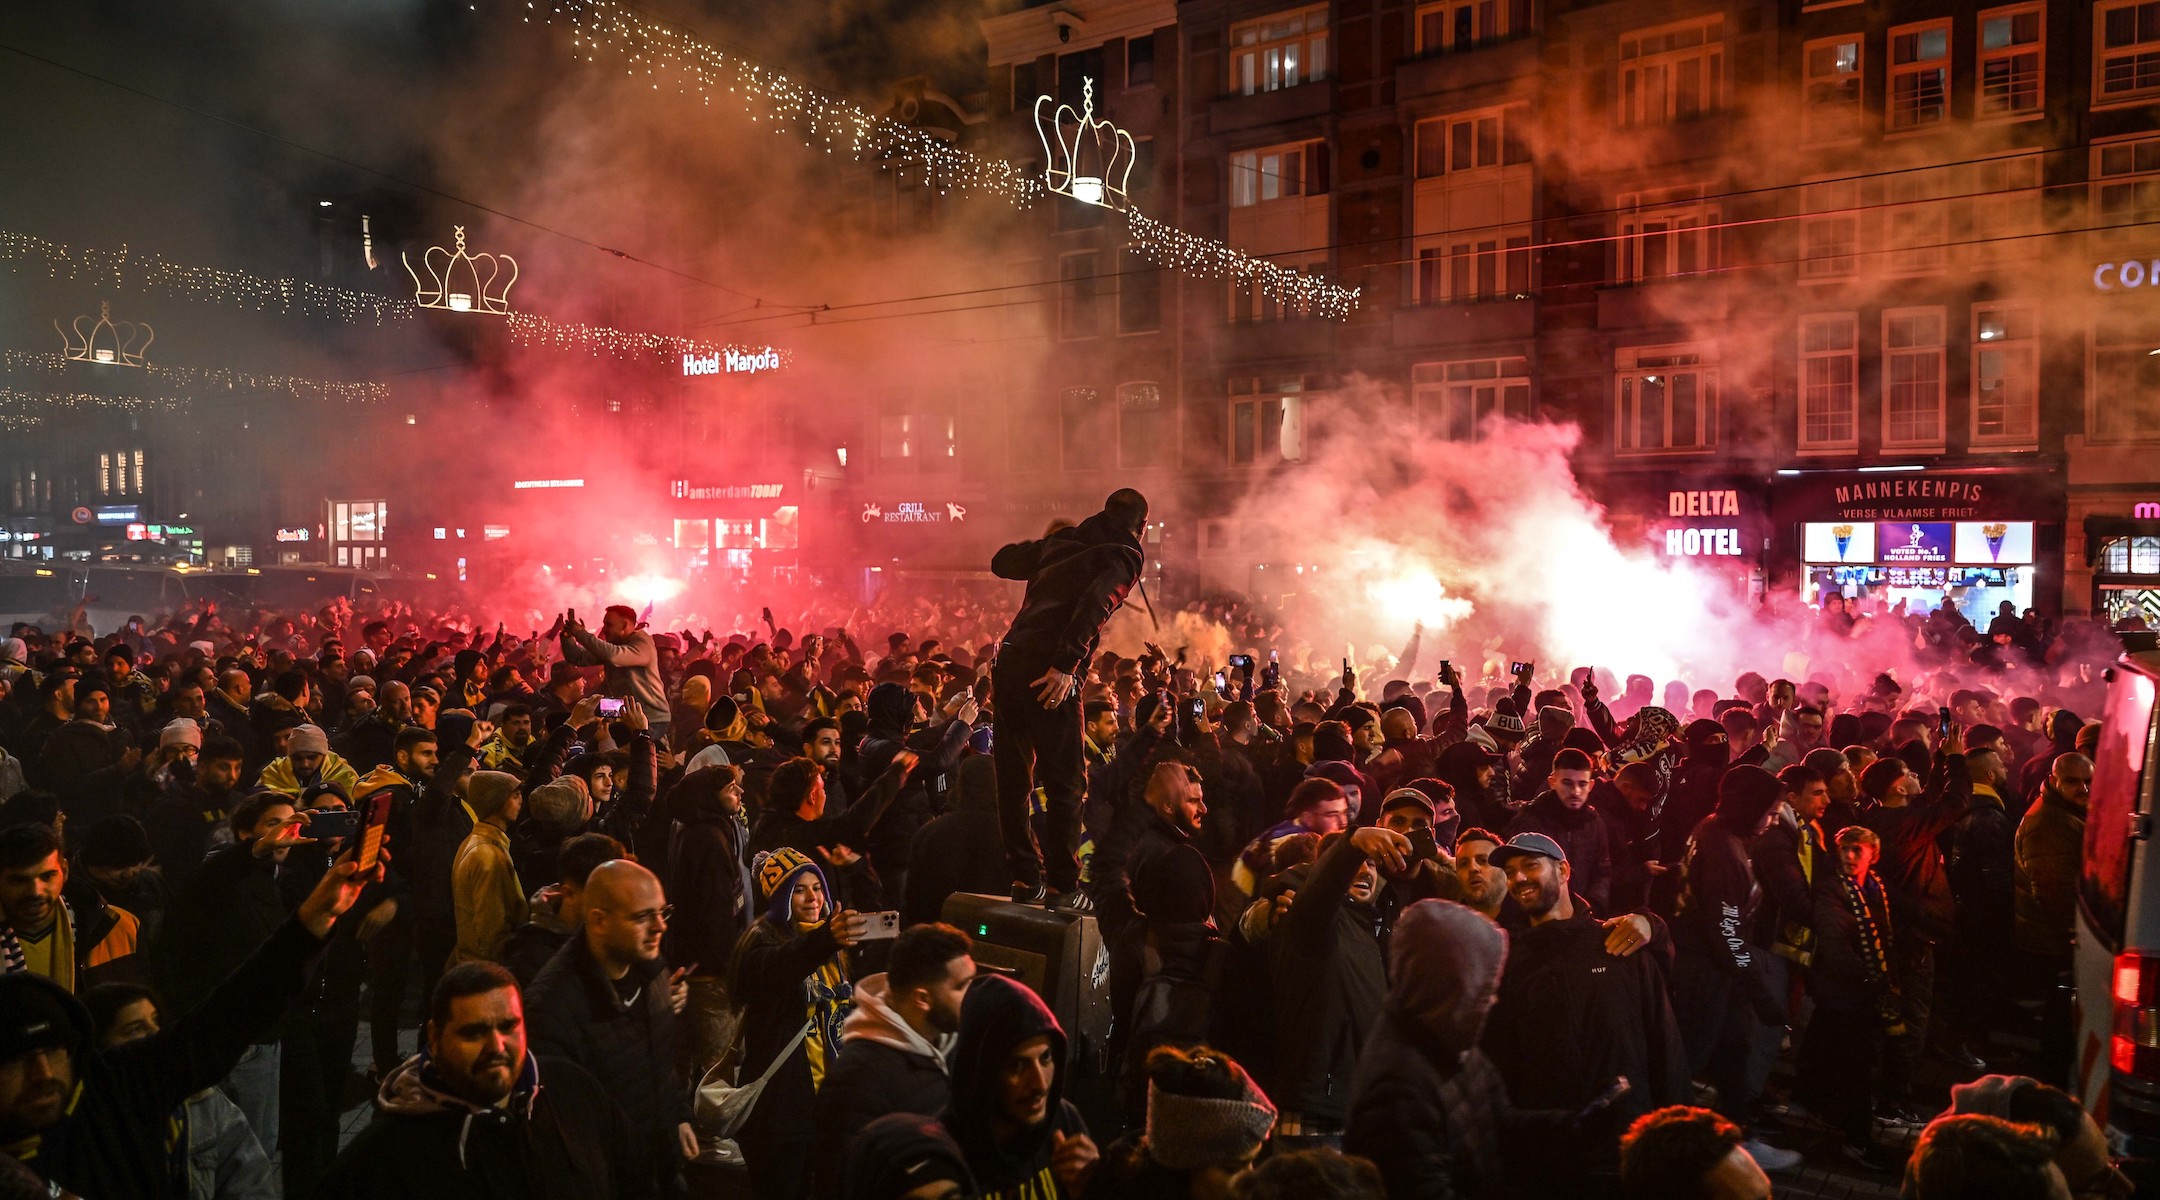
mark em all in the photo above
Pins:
pixel 1091 159
pixel 106 341
pixel 462 282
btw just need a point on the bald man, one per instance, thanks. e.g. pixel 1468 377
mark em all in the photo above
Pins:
pixel 608 1002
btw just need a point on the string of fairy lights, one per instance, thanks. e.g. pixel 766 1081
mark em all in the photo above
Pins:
pixel 128 269
pixel 23 408
pixel 668 57
pixel 194 379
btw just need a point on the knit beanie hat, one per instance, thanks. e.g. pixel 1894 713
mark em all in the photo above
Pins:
pixel 1186 1133
pixel 489 792
pixel 1331 742
pixel 180 732
pixel 1504 719
pixel 308 739
pixel 776 873
pixel 561 806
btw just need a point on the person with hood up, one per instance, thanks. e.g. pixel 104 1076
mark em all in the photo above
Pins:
pixel 921 791
pixel 1563 812
pixel 1076 578
pixel 960 851
pixel 893 1046
pixel 712 894
pixel 1722 986
pixel 1693 795
pixel 907 1157
pixel 1471 769
pixel 1427 1107
pixel 475 1115
pixel 790 974
pixel 484 886
pixel 308 761
pixel 1206 1122
pixel 1022 1139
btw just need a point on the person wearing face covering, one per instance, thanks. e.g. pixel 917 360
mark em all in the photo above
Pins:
pixel 1426 1105
pixel 1694 792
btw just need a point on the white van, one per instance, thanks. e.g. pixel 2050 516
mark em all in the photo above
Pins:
pixel 2117 1070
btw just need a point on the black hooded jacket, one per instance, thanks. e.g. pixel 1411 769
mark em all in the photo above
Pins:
pixel 996 1017
pixel 1717 916
pixel 710 874
pixel 1075 579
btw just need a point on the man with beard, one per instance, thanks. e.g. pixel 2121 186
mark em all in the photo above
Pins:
pixel 1563 813
pixel 607 1002
pixel 307 762
pixel 188 820
pixel 1485 886
pixel 1022 1139
pixel 1076 578
pixel 1329 978
pixel 893 1046
pixel 1173 812
pixel 94 1122
pixel 467 1117
pixel 1579 1006
pixel 42 933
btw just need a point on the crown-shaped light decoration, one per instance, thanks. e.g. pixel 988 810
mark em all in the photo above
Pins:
pixel 106 341
pixel 1088 158
pixel 462 282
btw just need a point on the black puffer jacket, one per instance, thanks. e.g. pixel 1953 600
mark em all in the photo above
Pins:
pixel 573 1011
pixel 1075 579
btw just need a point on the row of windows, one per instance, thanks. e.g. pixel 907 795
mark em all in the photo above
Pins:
pixel 1678 71
pixel 1665 399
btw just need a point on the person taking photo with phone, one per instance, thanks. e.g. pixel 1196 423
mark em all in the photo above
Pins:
pixel 791 975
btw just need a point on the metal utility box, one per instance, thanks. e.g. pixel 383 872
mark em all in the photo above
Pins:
pixel 1059 954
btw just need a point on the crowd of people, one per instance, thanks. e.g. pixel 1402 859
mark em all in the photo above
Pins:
pixel 657 905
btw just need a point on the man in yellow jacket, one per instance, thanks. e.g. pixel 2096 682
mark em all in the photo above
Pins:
pixel 483 880
pixel 307 762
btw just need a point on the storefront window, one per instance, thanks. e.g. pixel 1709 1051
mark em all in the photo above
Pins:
pixel 2130 556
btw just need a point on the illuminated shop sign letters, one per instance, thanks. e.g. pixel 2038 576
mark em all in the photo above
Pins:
pixel 2146 512
pixel 1699 543
pixel 2109 277
pixel 1703 504
pixel 731 362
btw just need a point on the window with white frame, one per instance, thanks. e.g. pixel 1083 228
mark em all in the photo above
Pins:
pixel 1445 25
pixel 1672 73
pixel 2126 182
pixel 1079 296
pixel 1831 91
pixel 1915 218
pixel 1666 233
pixel 1147 435
pixel 1472 206
pixel 1830 232
pixel 1279 51
pixel 2126 60
pixel 1912 385
pixel 1454 398
pixel 2006 375
pixel 1267 420
pixel 1665 401
pixel 2123 399
pixel 2006 209
pixel 1278 173
pixel 1919 76
pixel 1087 430
pixel 1829 381
pixel 1485 265
pixel 2013 61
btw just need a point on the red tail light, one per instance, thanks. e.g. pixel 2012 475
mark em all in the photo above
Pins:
pixel 2135 1047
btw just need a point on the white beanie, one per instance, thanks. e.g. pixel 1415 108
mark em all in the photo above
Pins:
pixel 308 739
pixel 180 732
